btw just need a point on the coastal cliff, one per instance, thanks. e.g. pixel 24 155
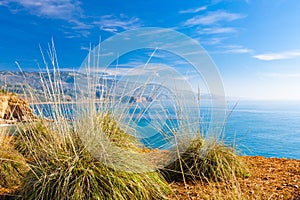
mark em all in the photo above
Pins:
pixel 14 109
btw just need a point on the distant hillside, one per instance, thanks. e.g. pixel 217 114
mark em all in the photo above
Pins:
pixel 34 82
pixel 20 83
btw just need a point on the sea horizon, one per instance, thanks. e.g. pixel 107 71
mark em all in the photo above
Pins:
pixel 265 128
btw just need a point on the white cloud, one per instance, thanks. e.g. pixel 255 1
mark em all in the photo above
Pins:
pixel 193 10
pixel 216 30
pixel 58 9
pixel 112 30
pixel 78 24
pixel 239 50
pixel 111 23
pixel 78 28
pixel 212 18
pixel 211 41
pixel 279 56
pixel 67 10
pixel 76 33
pixel 236 49
pixel 85 48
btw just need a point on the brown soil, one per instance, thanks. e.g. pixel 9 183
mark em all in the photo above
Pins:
pixel 271 178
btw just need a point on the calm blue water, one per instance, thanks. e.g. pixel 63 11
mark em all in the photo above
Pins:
pixel 270 129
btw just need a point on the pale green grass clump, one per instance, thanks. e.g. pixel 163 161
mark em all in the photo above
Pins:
pixel 12 163
pixel 116 135
pixel 210 162
pixel 62 168
pixel 85 155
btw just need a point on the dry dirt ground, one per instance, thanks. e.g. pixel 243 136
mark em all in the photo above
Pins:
pixel 271 178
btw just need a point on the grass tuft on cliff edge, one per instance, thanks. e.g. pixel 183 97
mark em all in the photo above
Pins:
pixel 63 168
pixel 12 164
pixel 212 162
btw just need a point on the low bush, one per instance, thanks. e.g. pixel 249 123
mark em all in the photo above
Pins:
pixel 211 162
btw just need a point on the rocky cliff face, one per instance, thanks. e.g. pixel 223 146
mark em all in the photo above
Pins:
pixel 13 109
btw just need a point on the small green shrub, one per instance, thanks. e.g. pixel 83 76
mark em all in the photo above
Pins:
pixel 62 168
pixel 12 163
pixel 212 162
pixel 32 138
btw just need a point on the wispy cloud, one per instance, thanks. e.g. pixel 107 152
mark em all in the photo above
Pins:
pixel 211 41
pixel 77 28
pixel 112 23
pixel 212 18
pixel 278 56
pixel 58 9
pixel 79 25
pixel 193 10
pixel 236 49
pixel 216 30
pixel 239 50
pixel 70 11
pixel 85 48
pixel 67 10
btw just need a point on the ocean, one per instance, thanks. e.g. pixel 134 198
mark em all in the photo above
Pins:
pixel 265 128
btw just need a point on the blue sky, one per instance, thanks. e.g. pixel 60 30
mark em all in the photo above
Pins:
pixel 254 43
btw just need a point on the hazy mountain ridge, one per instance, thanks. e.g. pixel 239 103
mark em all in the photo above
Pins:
pixel 74 86
pixel 23 82
pixel 69 81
